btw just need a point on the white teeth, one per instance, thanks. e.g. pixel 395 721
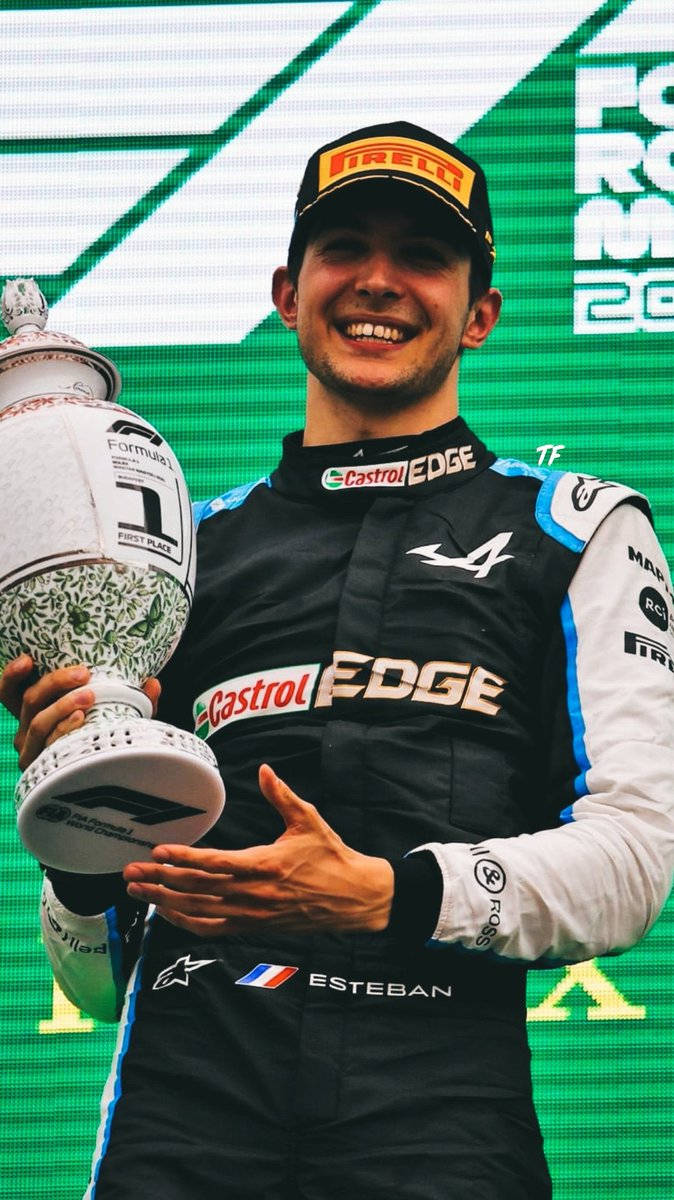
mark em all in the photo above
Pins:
pixel 385 333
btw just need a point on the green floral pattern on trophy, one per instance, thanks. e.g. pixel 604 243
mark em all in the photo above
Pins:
pixel 121 619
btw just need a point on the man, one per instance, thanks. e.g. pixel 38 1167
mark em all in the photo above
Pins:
pixel 439 652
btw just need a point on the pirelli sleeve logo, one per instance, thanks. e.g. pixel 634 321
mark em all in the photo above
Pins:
pixel 405 155
pixel 350 676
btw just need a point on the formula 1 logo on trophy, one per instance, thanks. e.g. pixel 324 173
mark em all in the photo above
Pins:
pixel 97 564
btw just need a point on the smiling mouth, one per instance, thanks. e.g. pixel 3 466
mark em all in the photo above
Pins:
pixel 367 331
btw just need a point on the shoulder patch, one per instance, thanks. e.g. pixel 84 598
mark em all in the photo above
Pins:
pixel 570 507
pixel 202 509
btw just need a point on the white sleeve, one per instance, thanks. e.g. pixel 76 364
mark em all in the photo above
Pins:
pixel 597 883
pixel 86 955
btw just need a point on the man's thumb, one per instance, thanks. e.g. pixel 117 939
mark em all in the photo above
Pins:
pixel 286 802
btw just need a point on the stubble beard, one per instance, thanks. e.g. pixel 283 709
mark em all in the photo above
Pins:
pixel 373 398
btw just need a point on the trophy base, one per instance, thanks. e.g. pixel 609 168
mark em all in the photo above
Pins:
pixel 103 796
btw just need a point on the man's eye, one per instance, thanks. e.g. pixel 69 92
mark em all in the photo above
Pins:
pixel 425 254
pixel 342 245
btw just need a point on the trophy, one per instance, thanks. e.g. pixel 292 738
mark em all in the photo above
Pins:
pixel 97 563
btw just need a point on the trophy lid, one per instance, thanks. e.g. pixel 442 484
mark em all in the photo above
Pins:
pixel 24 314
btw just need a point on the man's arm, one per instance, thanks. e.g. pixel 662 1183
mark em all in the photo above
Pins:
pixel 596 884
pixel 592 886
pixel 91 928
pixel 305 881
pixel 92 953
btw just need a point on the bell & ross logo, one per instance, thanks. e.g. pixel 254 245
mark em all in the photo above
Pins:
pixel 404 154
pixel 396 474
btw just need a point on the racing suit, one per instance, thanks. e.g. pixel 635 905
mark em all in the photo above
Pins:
pixel 450 654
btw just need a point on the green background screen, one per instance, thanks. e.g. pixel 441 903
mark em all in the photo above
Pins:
pixel 150 158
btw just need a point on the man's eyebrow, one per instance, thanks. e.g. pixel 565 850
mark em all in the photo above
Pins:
pixel 417 229
pixel 349 222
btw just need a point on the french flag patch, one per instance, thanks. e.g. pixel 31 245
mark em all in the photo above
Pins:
pixel 267 975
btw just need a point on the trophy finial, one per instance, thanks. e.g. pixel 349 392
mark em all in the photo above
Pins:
pixel 23 305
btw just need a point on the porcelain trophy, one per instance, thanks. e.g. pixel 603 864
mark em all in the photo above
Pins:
pixel 96 566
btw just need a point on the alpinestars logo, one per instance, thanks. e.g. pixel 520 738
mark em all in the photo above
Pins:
pixel 479 562
pixel 180 971
pixel 586 491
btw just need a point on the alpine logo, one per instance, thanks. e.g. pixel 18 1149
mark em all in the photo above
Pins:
pixel 396 474
pixel 263 693
pixel 180 971
pixel 267 975
pixel 480 561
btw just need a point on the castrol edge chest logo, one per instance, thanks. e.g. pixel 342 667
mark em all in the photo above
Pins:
pixel 408 155
pixel 397 474
pixel 349 676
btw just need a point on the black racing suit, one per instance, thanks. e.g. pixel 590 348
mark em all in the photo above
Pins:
pixel 416 638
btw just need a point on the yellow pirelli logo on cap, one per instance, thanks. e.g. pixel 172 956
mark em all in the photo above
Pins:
pixel 397 154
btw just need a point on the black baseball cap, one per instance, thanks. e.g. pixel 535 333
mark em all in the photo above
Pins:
pixel 401 153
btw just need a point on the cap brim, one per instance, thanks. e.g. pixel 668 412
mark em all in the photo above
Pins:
pixel 381 179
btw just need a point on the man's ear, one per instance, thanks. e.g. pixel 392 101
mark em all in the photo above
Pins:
pixel 284 295
pixel 483 315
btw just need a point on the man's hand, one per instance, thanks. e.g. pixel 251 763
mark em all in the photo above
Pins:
pixel 307 880
pixel 51 706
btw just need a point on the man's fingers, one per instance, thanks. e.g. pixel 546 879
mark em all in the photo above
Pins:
pixel 287 803
pixel 205 927
pixel 192 904
pixel 68 725
pixel 64 714
pixel 245 864
pixel 41 694
pixel 152 689
pixel 177 879
pixel 13 683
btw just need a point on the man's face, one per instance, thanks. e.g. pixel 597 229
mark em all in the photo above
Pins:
pixel 381 305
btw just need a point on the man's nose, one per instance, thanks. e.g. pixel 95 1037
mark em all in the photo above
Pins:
pixel 378 275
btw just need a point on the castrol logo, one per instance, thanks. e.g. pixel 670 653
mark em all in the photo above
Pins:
pixel 260 694
pixel 397 474
pixel 377 475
